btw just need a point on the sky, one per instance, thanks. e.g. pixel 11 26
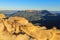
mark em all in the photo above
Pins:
pixel 30 5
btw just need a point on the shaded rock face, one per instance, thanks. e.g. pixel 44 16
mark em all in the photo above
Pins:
pixel 19 28
pixel 43 17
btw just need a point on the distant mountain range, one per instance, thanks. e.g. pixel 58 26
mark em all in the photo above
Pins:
pixel 35 15
pixel 43 17
pixel 55 11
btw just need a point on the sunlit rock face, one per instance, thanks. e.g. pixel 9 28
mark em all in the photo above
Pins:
pixel 2 15
pixel 19 28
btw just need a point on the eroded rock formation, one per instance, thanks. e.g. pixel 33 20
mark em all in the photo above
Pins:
pixel 19 28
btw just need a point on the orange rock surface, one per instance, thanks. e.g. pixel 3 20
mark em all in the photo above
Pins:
pixel 19 28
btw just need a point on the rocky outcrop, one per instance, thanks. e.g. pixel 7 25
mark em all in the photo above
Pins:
pixel 19 28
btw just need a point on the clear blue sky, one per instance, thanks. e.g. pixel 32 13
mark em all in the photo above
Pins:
pixel 30 4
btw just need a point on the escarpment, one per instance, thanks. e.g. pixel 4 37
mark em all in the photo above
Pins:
pixel 19 28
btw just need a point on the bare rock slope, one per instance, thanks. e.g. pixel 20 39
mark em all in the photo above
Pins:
pixel 19 28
